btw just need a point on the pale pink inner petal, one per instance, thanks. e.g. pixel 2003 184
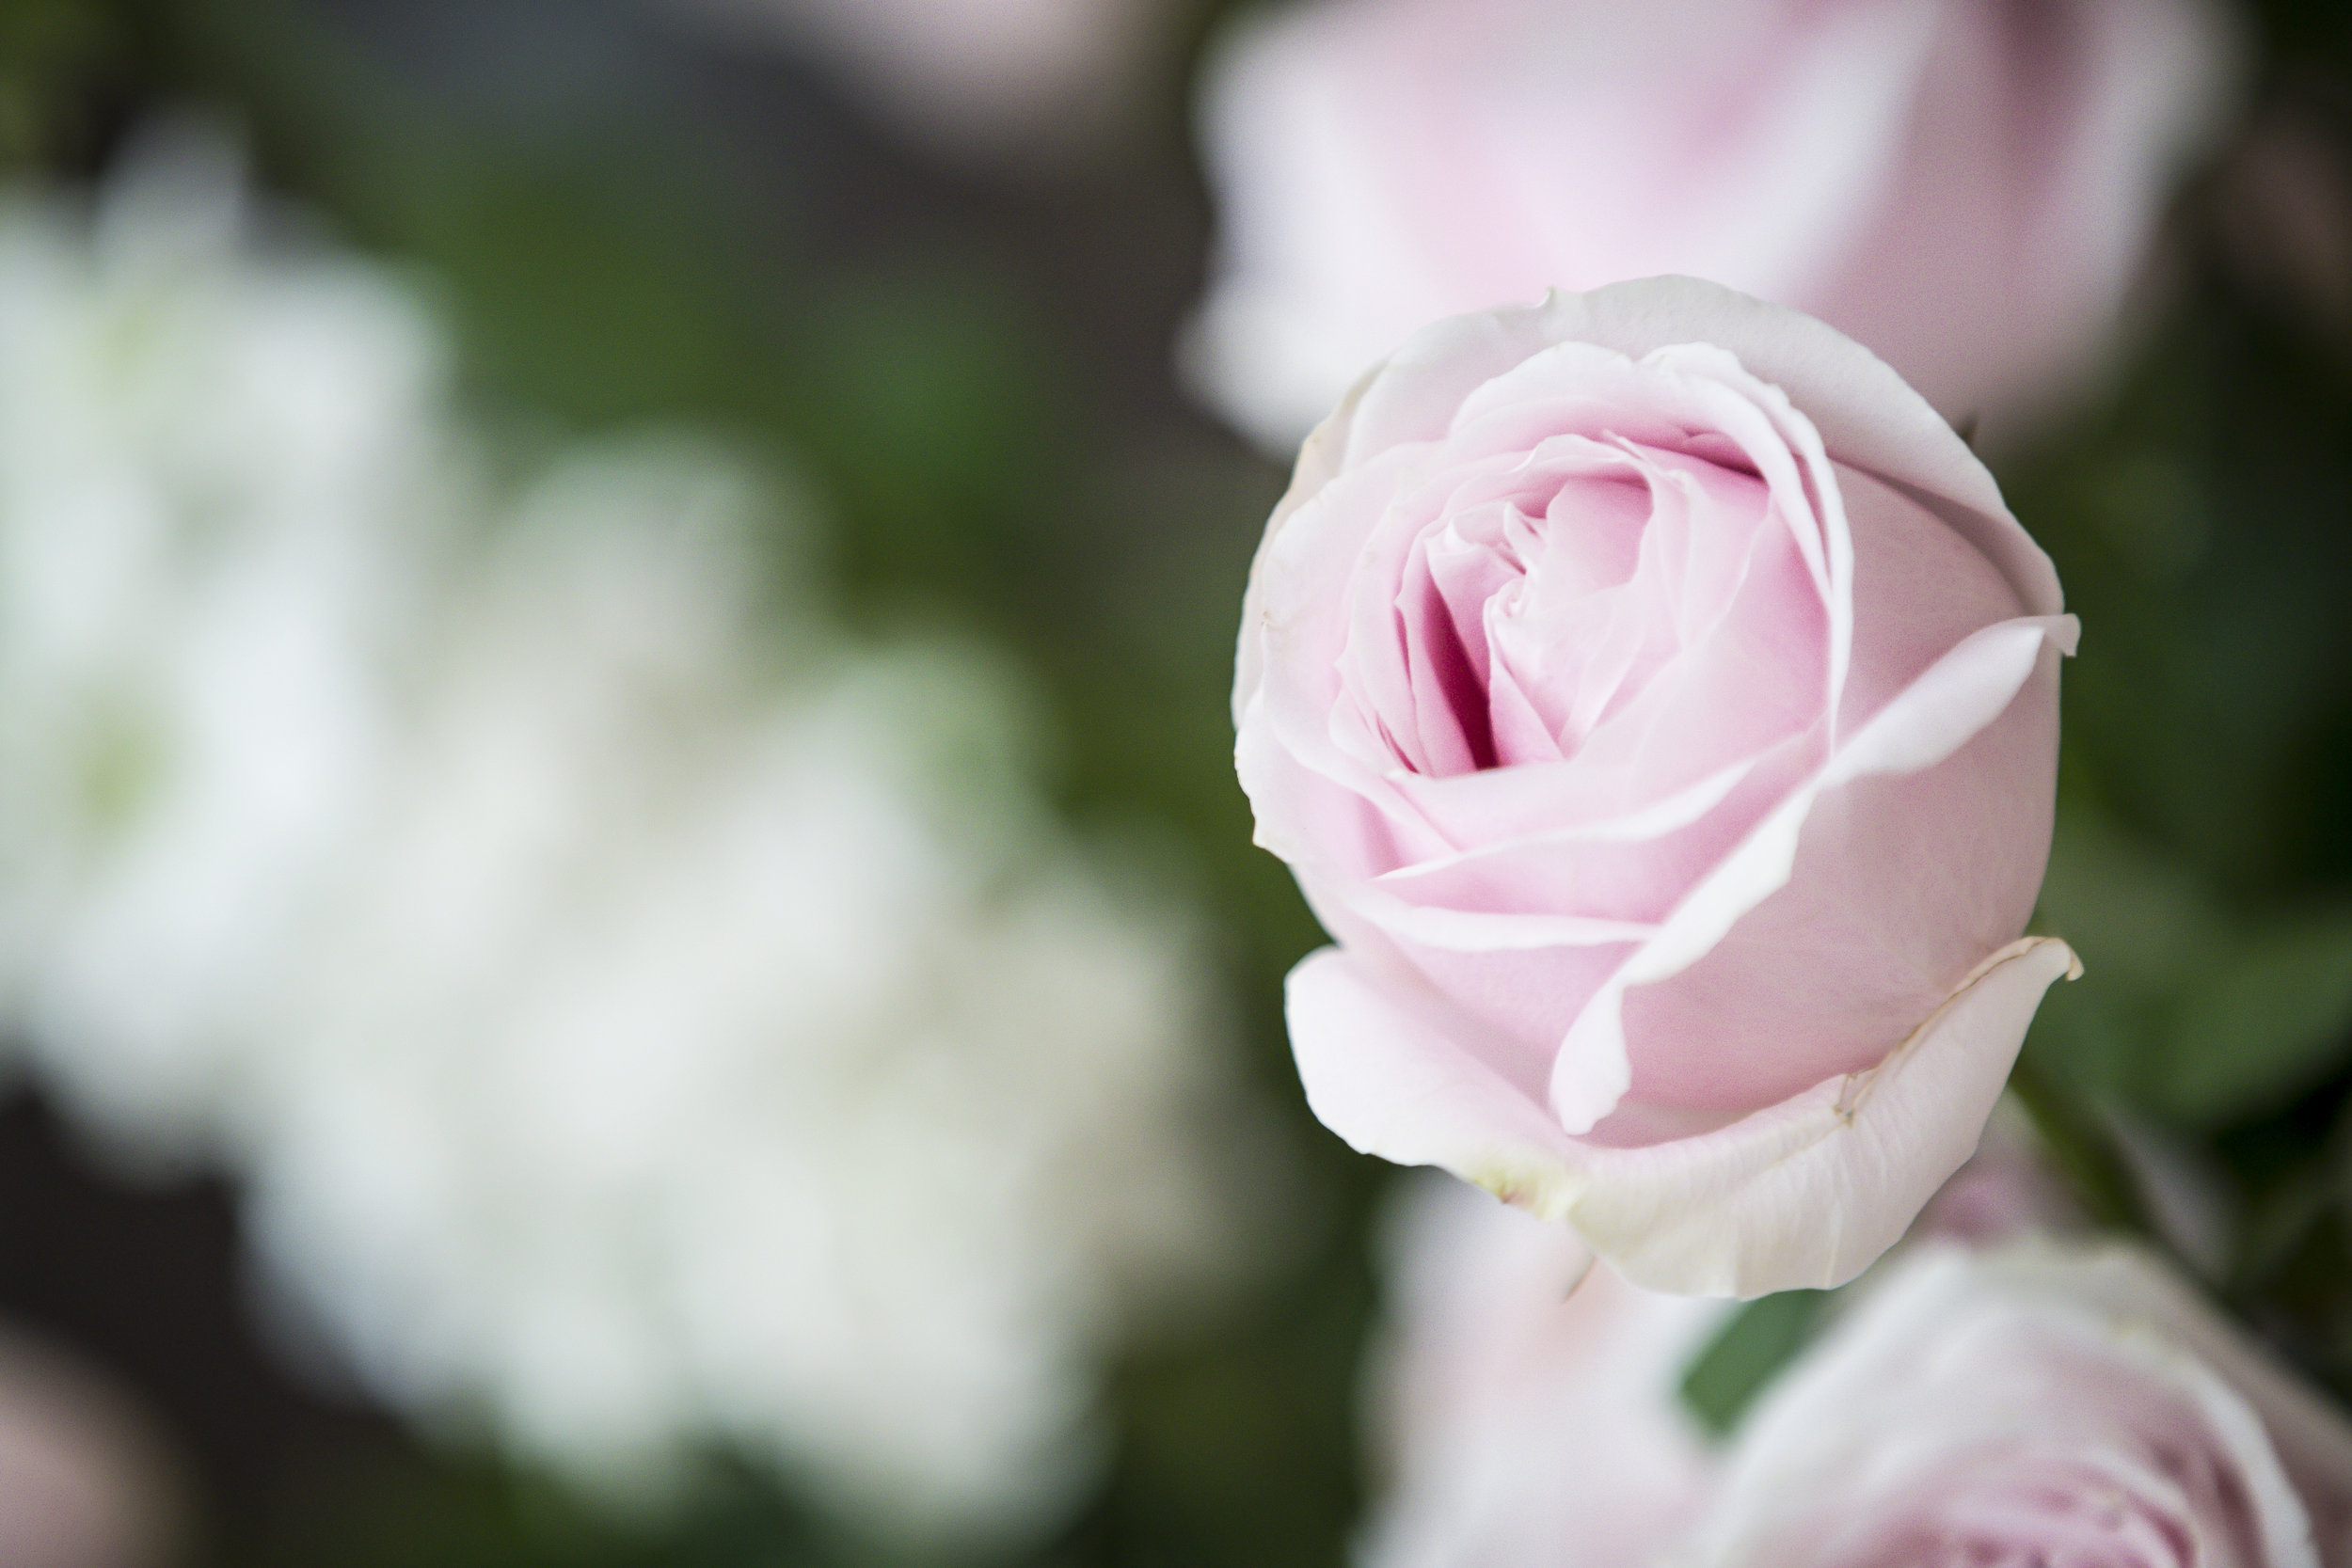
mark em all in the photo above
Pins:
pixel 1493 1009
pixel 1482 811
pixel 2035 1509
pixel 1577 625
pixel 1340 827
pixel 1632 876
pixel 1523 733
pixel 1538 601
pixel 1408 682
pixel 1749 632
pixel 1448 682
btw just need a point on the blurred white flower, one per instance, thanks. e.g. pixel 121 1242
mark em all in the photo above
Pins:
pixel 642 1017
pixel 221 480
pixel 692 1059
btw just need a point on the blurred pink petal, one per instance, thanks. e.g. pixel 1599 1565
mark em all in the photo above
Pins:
pixel 1966 186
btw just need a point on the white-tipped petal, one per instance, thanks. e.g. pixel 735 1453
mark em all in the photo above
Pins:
pixel 1386 1071
pixel 1809 1192
pixel 1806 1193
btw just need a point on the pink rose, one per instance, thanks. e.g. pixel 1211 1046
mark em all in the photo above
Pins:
pixel 2007 1189
pixel 1656 700
pixel 1967 186
pixel 2034 1406
pixel 1526 1397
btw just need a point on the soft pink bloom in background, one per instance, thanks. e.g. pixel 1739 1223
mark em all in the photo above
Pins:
pixel 1525 1406
pixel 2007 1189
pixel 85 1481
pixel 1967 186
pixel 1525 1395
pixel 2033 1403
pixel 2033 1407
pixel 1657 700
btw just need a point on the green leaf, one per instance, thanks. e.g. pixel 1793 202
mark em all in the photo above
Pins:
pixel 1760 1339
pixel 2187 1009
pixel 2262 1025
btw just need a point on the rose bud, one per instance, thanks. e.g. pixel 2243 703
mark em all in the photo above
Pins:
pixel 2032 1406
pixel 1656 700
pixel 1967 186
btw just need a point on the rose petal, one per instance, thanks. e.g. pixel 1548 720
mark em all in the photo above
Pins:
pixel 1877 919
pixel 1963 1384
pixel 1318 464
pixel 1866 413
pixel 1959 695
pixel 1387 1069
pixel 1805 1192
pixel 1524 1395
pixel 2312 1441
pixel 1809 1192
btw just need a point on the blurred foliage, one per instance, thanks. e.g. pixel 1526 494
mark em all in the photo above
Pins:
pixel 45 45
pixel 1760 1339
pixel 2202 864
pixel 628 222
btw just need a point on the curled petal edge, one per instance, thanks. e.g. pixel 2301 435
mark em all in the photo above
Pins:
pixel 1941 711
pixel 1317 464
pixel 1806 1193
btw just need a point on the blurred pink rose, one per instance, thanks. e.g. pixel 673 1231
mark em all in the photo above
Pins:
pixel 84 1479
pixel 1525 1396
pixel 1967 186
pixel 1656 700
pixel 2007 1189
pixel 2032 1406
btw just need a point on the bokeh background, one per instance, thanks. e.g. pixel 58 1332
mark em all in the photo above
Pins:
pixel 628 935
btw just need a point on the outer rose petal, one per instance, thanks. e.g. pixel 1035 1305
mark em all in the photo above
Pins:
pixel 2313 1442
pixel 1805 1193
pixel 1946 706
pixel 1318 464
pixel 2084 1353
